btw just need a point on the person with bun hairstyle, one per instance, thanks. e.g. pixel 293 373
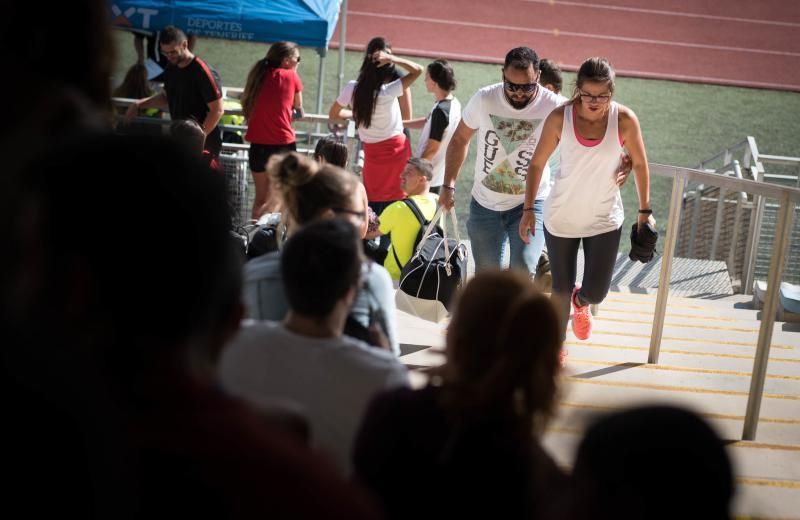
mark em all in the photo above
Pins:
pixel 442 120
pixel 585 206
pixel 272 96
pixel 372 102
pixel 469 439
pixel 309 192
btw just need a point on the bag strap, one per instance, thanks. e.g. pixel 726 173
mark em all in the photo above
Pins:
pixel 410 204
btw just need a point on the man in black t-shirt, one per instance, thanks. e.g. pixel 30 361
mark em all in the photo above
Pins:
pixel 191 88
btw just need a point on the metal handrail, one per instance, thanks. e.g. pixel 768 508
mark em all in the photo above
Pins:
pixel 787 197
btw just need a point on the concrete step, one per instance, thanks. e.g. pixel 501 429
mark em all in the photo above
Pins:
pixel 705 363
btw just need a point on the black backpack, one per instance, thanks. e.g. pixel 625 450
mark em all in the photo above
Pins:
pixel 423 224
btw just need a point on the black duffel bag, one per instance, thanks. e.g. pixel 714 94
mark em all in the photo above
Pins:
pixel 438 267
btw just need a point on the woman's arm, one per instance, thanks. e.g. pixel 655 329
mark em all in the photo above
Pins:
pixel 406 109
pixel 548 142
pixel 339 113
pixel 298 103
pixel 414 70
pixel 632 139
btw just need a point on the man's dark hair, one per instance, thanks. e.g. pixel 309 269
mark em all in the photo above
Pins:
pixel 521 58
pixel 442 74
pixel 550 74
pixel 171 34
pixel 189 133
pixel 332 150
pixel 319 264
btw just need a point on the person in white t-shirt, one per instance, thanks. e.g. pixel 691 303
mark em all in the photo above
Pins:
pixel 585 206
pixel 440 123
pixel 507 117
pixel 306 359
pixel 372 102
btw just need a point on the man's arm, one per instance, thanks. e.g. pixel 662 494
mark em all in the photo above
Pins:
pixel 430 149
pixel 157 101
pixel 454 159
pixel 215 111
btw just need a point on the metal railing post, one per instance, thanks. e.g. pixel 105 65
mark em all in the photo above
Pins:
pixel 698 201
pixel 717 222
pixel 753 236
pixel 779 246
pixel 741 197
pixel 678 184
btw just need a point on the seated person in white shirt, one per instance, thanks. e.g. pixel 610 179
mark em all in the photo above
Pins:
pixel 306 358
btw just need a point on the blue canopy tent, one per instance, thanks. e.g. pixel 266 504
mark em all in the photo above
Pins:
pixel 309 23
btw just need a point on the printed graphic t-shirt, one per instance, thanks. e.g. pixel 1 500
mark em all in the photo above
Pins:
pixel 507 138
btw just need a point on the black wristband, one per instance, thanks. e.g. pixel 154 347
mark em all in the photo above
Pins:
pixel 444 186
pixel 528 209
pixel 646 211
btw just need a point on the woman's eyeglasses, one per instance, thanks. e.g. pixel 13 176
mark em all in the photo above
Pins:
pixel 588 98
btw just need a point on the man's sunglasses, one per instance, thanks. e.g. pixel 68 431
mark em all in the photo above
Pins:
pixel 516 87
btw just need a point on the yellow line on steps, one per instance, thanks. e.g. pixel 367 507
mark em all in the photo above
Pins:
pixel 670 303
pixel 704 414
pixel 604 310
pixel 734 444
pixel 670 368
pixel 691 340
pixel 787 484
pixel 674 351
pixel 682 325
pixel 671 388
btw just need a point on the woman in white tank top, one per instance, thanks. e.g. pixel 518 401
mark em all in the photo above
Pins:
pixel 584 206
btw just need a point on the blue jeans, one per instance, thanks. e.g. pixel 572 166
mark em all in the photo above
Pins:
pixel 489 230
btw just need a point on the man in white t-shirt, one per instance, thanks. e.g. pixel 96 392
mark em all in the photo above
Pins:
pixel 306 360
pixel 508 118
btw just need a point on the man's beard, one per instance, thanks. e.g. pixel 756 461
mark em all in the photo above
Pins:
pixel 518 104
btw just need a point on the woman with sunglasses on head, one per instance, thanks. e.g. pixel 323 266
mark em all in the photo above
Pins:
pixel 272 98
pixel 585 206
pixel 372 102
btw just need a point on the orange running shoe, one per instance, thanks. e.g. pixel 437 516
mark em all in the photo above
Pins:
pixel 581 317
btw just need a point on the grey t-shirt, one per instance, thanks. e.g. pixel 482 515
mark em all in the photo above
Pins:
pixel 331 379
pixel 266 300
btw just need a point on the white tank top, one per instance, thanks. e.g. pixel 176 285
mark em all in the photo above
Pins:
pixel 585 200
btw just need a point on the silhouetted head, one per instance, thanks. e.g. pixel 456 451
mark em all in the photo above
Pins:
pixel 128 256
pixel 503 344
pixel 321 265
pixel 653 462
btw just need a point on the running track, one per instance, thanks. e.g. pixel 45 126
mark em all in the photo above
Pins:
pixel 752 43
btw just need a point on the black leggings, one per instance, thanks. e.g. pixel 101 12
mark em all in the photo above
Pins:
pixel 599 255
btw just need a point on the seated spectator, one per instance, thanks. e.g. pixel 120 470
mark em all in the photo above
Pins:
pixel 310 192
pixel 115 407
pixel 398 219
pixel 653 462
pixel 330 150
pixel 306 358
pixel 191 134
pixel 468 441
